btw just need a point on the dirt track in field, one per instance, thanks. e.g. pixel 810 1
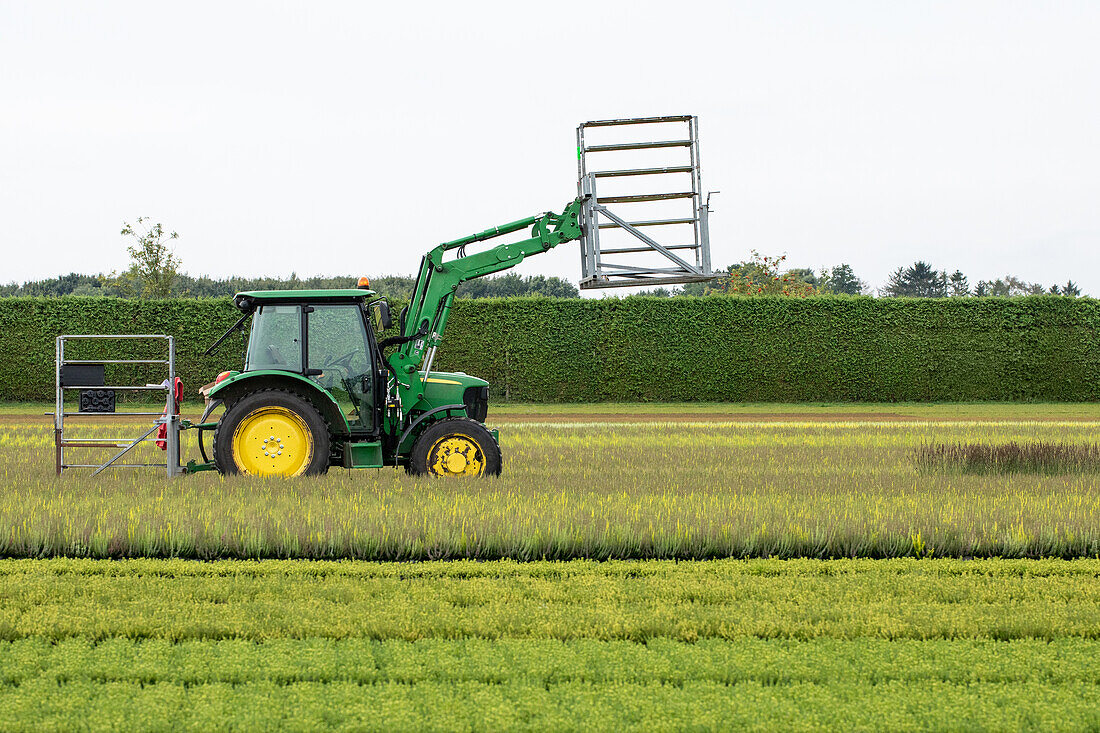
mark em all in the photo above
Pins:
pixel 586 416
pixel 618 417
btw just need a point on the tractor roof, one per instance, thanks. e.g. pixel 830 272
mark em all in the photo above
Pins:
pixel 249 299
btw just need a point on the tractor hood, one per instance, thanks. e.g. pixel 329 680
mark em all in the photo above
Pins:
pixel 455 388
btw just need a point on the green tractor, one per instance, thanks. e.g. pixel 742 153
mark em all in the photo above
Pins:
pixel 319 388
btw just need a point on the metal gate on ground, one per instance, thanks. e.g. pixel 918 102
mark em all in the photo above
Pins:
pixel 97 399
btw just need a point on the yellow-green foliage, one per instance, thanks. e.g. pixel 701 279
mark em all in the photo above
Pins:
pixel 596 490
pixel 803 644
pixel 625 600
pixel 769 644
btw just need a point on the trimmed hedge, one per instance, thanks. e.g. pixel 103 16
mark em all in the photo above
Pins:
pixel 661 349
pixel 29 327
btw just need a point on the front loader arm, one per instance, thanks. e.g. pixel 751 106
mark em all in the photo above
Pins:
pixel 431 303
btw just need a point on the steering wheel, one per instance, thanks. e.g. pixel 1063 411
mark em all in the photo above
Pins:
pixel 343 362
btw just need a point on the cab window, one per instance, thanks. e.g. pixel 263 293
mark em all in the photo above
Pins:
pixel 276 340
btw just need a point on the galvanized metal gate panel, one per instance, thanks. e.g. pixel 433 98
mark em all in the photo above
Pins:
pixel 657 232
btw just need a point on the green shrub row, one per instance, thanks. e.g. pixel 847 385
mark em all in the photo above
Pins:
pixel 787 350
pixel 654 349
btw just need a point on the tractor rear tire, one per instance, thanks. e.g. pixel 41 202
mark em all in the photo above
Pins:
pixel 272 432
pixel 455 446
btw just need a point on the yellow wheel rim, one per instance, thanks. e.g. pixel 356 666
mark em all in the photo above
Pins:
pixel 272 441
pixel 456 455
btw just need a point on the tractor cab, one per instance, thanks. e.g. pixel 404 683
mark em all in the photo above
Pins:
pixel 326 337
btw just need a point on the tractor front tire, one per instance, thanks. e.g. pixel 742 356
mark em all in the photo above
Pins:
pixel 455 446
pixel 272 432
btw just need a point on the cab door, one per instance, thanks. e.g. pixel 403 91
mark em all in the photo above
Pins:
pixel 339 358
pixel 276 339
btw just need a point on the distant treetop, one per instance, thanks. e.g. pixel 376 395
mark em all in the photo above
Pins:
pixel 186 286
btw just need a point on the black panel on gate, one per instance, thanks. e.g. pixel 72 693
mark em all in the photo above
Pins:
pixel 82 375
pixel 97 400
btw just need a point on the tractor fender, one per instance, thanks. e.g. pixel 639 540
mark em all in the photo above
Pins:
pixel 231 389
pixel 427 418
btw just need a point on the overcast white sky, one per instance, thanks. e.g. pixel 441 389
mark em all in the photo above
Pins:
pixel 332 138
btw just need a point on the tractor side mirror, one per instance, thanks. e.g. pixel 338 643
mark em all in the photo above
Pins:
pixel 382 315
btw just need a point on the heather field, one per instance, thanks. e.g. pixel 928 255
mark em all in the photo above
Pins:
pixel 653 567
